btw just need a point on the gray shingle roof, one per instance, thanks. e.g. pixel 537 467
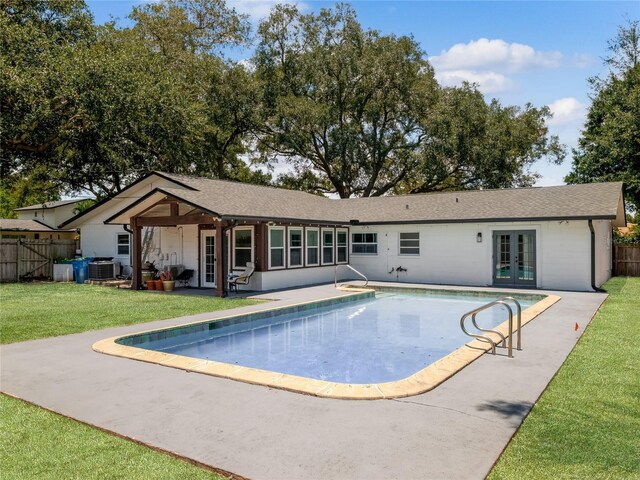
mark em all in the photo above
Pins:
pixel 12 224
pixel 229 199
pixel 254 201
pixel 48 205
pixel 595 200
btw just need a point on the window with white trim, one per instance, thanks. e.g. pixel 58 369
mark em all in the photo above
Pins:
pixel 276 247
pixel 341 245
pixel 364 243
pixel 409 243
pixel 123 244
pixel 242 246
pixel 313 246
pixel 327 246
pixel 295 247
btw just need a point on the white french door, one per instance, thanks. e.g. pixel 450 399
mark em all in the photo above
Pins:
pixel 208 258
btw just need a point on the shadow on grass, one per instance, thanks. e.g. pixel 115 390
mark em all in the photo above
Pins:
pixel 508 410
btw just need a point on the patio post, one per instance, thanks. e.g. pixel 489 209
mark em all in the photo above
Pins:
pixel 222 278
pixel 136 274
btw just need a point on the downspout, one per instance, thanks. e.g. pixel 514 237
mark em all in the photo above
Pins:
pixel 593 258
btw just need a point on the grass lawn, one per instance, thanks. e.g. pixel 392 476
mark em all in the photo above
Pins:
pixel 586 425
pixel 40 310
pixel 35 443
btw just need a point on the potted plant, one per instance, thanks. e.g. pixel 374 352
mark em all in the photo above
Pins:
pixel 151 284
pixel 158 282
pixel 168 282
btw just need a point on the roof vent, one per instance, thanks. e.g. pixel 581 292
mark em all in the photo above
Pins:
pixel 407 205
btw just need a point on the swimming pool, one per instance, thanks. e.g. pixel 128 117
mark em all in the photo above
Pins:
pixel 372 340
pixel 394 342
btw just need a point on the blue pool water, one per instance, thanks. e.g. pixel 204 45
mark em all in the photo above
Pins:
pixel 374 340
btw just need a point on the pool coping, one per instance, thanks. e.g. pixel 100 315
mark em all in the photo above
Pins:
pixel 420 382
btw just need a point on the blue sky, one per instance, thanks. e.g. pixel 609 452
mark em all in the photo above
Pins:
pixel 517 51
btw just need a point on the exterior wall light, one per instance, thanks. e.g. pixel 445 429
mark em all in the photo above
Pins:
pixel 479 237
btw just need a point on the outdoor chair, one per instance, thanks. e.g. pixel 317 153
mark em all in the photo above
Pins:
pixel 243 278
pixel 184 278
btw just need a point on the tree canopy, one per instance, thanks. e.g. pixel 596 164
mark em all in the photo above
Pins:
pixel 343 104
pixel 359 113
pixel 99 106
pixel 87 107
pixel 470 144
pixel 609 148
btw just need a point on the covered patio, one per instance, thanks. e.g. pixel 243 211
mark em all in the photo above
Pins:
pixel 162 210
pixel 230 232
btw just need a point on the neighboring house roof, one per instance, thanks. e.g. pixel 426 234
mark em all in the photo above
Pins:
pixel 234 200
pixel 13 225
pixel 625 230
pixel 48 205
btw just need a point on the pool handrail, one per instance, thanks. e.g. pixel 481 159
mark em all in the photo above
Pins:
pixel 335 274
pixel 501 301
pixel 518 320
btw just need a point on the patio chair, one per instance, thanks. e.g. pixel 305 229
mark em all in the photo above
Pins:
pixel 184 278
pixel 243 278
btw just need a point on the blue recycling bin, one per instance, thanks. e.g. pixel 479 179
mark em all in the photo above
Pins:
pixel 81 269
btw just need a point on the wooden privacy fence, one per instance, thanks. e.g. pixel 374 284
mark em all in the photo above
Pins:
pixel 626 260
pixel 22 259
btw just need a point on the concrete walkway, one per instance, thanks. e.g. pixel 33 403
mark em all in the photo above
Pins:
pixel 455 431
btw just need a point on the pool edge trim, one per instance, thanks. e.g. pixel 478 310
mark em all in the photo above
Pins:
pixel 420 382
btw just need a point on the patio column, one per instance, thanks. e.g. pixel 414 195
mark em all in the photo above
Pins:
pixel 220 275
pixel 136 274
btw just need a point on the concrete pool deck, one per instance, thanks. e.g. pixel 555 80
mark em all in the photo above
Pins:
pixel 457 430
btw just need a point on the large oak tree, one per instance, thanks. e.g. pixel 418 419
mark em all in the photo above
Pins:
pixel 360 114
pixel 342 104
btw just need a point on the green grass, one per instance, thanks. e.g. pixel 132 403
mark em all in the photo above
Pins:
pixel 586 425
pixel 31 311
pixel 38 444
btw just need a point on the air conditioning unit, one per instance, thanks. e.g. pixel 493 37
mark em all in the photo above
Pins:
pixel 103 270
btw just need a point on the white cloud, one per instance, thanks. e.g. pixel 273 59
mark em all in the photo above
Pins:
pixel 583 60
pixel 495 55
pixel 259 9
pixel 488 82
pixel 567 111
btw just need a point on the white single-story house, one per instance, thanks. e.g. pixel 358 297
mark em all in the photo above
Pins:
pixel 543 237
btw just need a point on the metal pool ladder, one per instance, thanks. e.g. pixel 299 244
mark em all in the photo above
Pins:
pixel 501 301
pixel 335 274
